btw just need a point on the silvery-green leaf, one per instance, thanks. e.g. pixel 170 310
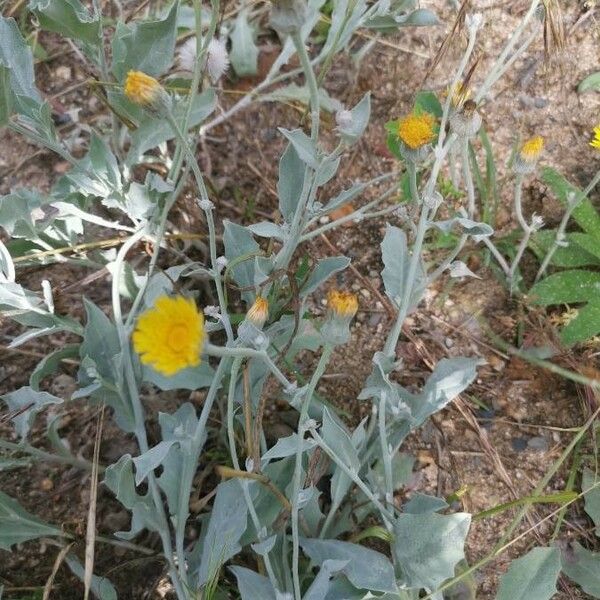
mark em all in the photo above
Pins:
pixel 13 295
pixel 101 587
pixel 531 576
pixel 6 103
pixel 287 446
pixel 327 169
pixel 395 259
pixel 421 18
pixel 227 523
pixel 16 55
pixel 240 249
pixel 303 145
pixel 119 479
pixel 428 546
pixel 6 464
pixel 449 378
pixel 18 526
pixel 459 269
pixel 244 53
pixel 402 472
pixel 267 229
pixel 583 567
pixel 365 568
pixel 263 548
pixel 344 197
pixel 18 213
pixel 145 46
pixel 71 19
pixel 61 446
pixel 290 183
pixel 324 269
pixel 465 226
pixel 154 131
pixel 321 584
pixel 253 586
pixel 148 461
pixel 591 481
pixel 422 503
pixel 360 119
pixel 191 378
pixel 28 403
pixel 343 24
pixel 296 93
pixel 312 516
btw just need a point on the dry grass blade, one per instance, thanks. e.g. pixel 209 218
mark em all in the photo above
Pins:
pixel 50 581
pixel 554 31
pixel 90 534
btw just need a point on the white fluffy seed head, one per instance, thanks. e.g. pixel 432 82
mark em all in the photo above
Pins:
pixel 218 59
pixel 343 118
pixel 187 54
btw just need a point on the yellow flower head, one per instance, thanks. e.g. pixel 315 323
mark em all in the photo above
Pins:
pixel 416 130
pixel 342 304
pixel 169 336
pixel 531 149
pixel 595 143
pixel 146 91
pixel 259 312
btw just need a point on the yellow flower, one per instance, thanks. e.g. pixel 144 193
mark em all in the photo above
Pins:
pixel 531 149
pixel 169 336
pixel 342 304
pixel 416 130
pixel 146 91
pixel 595 143
pixel 258 312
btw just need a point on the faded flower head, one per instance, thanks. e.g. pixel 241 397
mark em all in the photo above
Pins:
pixel 595 142
pixel 528 155
pixel 218 59
pixel 342 304
pixel 258 312
pixel 416 131
pixel 169 336
pixel 147 92
pixel 466 121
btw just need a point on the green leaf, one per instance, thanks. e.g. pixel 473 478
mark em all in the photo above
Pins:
pixel 591 82
pixel 18 526
pixel 147 46
pixel 428 102
pixel 583 567
pixel 6 104
pixel 591 481
pixel 571 256
pixel 428 547
pixel 584 326
pixel 590 243
pixel 28 403
pixel 567 286
pixel 244 53
pixel 71 19
pixel 15 55
pixel 532 576
pixel 365 568
pixel 585 214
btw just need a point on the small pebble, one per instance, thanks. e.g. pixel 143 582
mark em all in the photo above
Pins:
pixel 538 444
pixel 519 444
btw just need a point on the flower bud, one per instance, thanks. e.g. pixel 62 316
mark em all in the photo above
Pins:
pixel 528 155
pixel 259 312
pixel 147 92
pixel 288 16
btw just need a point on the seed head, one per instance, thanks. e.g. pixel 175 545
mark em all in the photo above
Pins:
pixel 218 59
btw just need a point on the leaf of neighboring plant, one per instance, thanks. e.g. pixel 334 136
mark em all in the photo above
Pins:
pixel 251 585
pixel 244 53
pixel 583 567
pixel 586 216
pixel 73 20
pixel 148 46
pixel 428 546
pixel 584 326
pixel 15 55
pixel 591 82
pixel 428 102
pixel 365 568
pixel 18 526
pixel 28 402
pixel 565 287
pixel 227 523
pixel 101 587
pixel 592 499
pixel 590 243
pixel 571 256
pixel 531 576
